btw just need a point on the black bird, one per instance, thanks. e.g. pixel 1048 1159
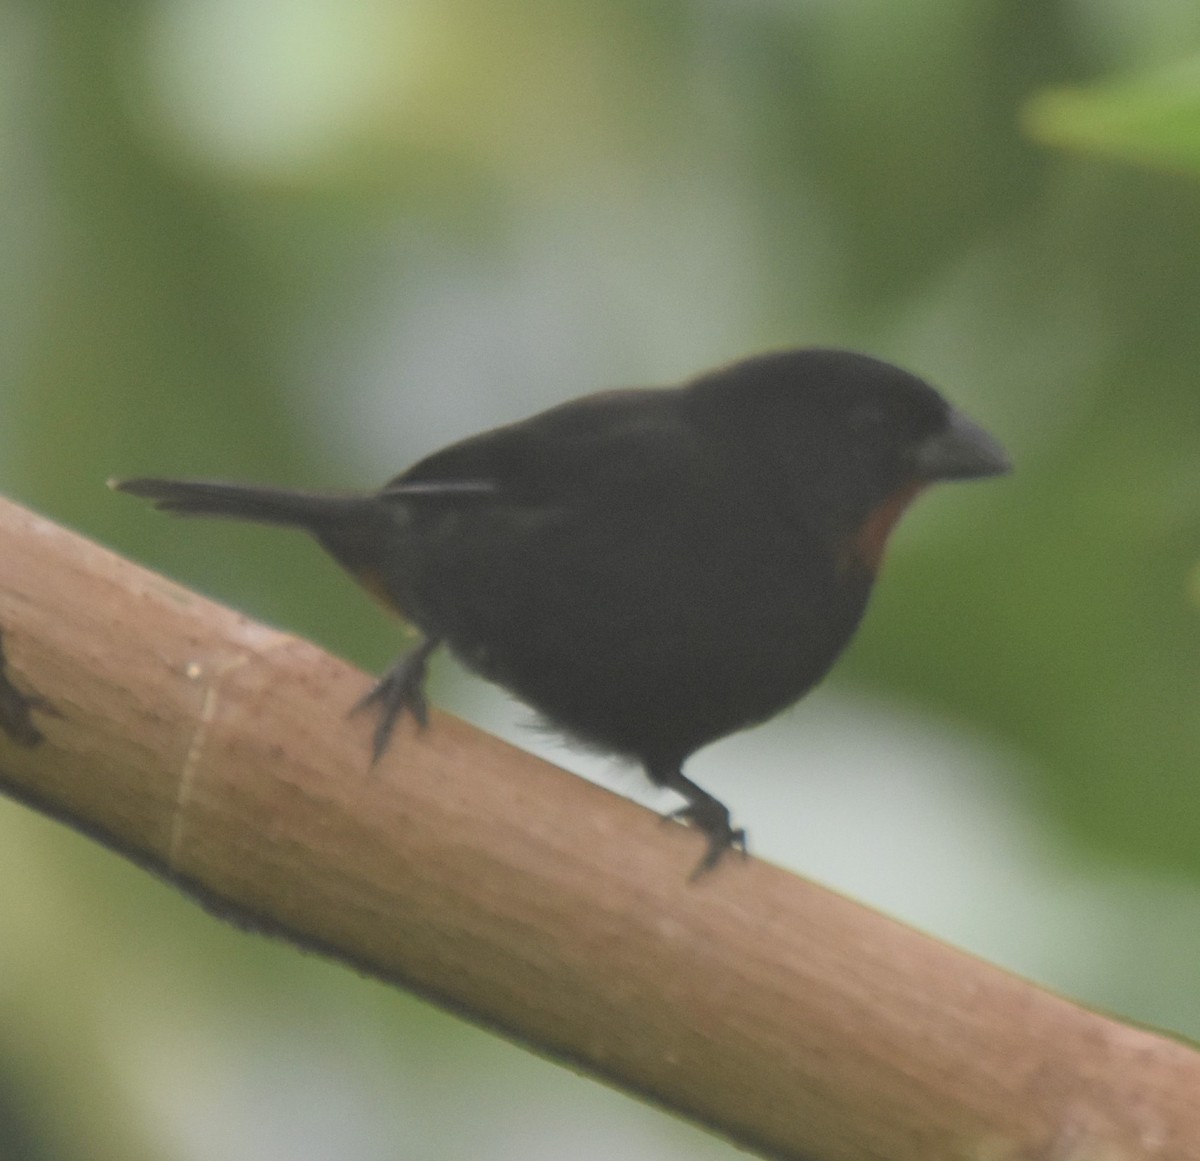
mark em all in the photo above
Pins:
pixel 650 568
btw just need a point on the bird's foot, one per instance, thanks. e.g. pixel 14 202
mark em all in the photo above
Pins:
pixel 400 690
pixel 712 818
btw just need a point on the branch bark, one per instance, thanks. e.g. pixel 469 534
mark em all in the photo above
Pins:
pixel 217 752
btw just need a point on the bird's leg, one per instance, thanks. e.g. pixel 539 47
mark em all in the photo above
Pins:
pixel 399 690
pixel 702 811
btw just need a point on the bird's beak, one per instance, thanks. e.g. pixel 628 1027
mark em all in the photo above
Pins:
pixel 961 451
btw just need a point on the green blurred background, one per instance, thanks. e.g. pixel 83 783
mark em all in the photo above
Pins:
pixel 308 241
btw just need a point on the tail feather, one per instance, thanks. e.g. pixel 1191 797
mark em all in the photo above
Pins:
pixel 314 511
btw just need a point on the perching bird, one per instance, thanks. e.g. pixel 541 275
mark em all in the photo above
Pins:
pixel 650 569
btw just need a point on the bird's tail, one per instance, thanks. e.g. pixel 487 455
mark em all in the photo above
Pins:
pixel 316 512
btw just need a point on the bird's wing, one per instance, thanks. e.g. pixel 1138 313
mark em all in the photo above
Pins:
pixel 588 446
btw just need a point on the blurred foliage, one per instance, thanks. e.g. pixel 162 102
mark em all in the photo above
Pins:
pixel 309 241
pixel 1149 120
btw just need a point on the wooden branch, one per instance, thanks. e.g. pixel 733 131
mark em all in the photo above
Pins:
pixel 218 753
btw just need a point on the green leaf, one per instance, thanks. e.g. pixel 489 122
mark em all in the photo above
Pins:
pixel 1151 120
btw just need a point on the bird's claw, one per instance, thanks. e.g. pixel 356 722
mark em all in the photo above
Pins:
pixel 712 818
pixel 399 691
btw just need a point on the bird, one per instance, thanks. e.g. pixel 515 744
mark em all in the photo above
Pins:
pixel 650 569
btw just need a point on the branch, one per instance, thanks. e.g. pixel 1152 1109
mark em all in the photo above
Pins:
pixel 217 753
